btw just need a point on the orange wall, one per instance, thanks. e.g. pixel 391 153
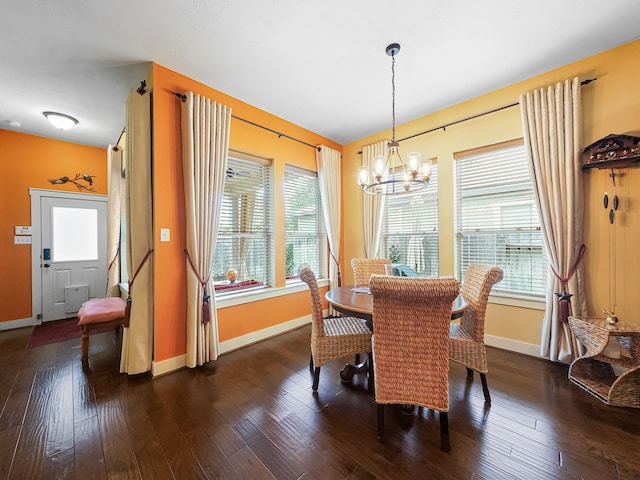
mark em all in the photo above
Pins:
pixel 250 317
pixel 28 162
pixel 170 263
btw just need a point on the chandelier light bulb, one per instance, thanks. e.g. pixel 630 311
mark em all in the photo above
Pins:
pixel 363 176
pixel 379 167
pixel 426 170
pixel 413 159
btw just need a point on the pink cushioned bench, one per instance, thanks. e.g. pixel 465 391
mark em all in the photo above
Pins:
pixel 99 313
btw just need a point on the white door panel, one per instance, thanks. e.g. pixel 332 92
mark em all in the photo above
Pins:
pixel 97 284
pixel 73 253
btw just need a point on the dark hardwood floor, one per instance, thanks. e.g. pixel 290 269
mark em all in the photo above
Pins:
pixel 252 415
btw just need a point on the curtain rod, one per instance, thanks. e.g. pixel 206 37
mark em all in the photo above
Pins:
pixel 280 134
pixel 115 148
pixel 444 127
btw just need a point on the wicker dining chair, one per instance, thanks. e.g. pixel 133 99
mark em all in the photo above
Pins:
pixel 364 267
pixel 411 317
pixel 466 340
pixel 335 337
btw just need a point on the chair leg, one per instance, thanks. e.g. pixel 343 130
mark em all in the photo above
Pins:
pixel 379 434
pixel 85 345
pixel 311 363
pixel 469 372
pixel 485 389
pixel 316 379
pixel 371 379
pixel 444 432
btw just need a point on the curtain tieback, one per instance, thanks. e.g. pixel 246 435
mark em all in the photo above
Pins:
pixel 564 297
pixel 203 282
pixel 114 259
pixel 127 309
pixel 337 266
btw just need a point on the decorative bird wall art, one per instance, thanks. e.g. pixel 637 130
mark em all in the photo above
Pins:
pixel 76 181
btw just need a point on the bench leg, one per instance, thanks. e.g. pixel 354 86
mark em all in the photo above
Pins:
pixel 85 345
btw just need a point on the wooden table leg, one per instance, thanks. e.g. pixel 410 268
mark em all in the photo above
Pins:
pixel 347 373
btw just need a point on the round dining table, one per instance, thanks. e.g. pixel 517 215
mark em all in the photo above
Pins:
pixel 358 302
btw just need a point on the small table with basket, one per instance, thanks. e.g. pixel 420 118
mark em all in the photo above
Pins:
pixel 608 346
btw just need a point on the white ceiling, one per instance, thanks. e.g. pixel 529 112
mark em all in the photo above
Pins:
pixel 320 64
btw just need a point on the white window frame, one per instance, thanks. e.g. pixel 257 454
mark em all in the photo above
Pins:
pixel 489 181
pixel 314 235
pixel 239 167
pixel 408 220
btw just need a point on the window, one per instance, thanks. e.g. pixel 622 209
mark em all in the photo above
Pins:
pixel 244 231
pixel 497 220
pixel 305 239
pixel 123 249
pixel 410 230
pixel 70 243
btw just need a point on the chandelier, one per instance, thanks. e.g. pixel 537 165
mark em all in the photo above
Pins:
pixel 390 174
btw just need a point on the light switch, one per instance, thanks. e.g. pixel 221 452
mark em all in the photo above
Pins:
pixel 22 239
pixel 23 230
pixel 165 234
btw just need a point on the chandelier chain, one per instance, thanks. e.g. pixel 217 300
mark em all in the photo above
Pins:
pixel 393 97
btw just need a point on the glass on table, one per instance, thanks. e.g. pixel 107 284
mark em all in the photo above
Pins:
pixel 388 269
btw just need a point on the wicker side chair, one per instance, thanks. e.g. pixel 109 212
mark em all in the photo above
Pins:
pixel 363 268
pixel 411 317
pixel 332 338
pixel 466 340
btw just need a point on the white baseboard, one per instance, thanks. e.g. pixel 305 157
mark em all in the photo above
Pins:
pixel 253 337
pixel 513 345
pixel 20 323
pixel 176 363
pixel 169 365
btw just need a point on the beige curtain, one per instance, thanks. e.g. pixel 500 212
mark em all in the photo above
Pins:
pixel 372 205
pixel 137 340
pixel 205 145
pixel 552 125
pixel 114 162
pixel 330 184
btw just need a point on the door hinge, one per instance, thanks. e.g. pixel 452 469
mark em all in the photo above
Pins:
pixel 39 316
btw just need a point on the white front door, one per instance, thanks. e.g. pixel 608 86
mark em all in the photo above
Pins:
pixel 73 252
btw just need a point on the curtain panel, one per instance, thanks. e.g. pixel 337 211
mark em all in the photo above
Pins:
pixel 330 184
pixel 552 127
pixel 205 127
pixel 114 165
pixel 372 205
pixel 137 339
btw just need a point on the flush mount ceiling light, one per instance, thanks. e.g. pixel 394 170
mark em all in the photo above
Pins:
pixel 60 120
pixel 391 175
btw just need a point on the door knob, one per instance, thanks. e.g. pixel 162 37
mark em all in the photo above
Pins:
pixel 46 265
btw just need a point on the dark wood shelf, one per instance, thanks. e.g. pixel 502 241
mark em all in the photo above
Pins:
pixel 619 163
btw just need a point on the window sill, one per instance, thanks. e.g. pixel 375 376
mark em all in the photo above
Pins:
pixel 239 298
pixel 533 303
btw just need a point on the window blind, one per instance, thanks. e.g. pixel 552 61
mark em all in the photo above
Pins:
pixel 245 230
pixel 305 239
pixel 410 229
pixel 497 220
